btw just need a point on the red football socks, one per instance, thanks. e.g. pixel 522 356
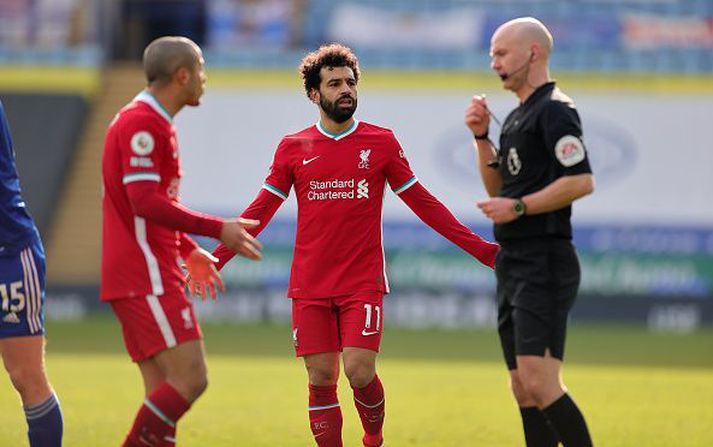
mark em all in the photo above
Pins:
pixel 369 402
pixel 169 440
pixel 325 416
pixel 157 418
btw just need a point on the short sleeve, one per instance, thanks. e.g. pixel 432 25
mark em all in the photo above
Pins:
pixel 562 132
pixel 142 146
pixel 279 180
pixel 398 172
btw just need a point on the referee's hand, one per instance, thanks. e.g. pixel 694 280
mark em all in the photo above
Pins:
pixel 476 116
pixel 498 209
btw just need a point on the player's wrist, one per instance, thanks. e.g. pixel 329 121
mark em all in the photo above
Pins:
pixel 482 137
pixel 185 251
pixel 213 227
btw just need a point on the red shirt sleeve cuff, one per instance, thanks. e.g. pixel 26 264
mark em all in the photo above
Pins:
pixel 186 245
pixel 212 226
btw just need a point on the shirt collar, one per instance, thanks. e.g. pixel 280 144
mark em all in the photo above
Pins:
pixel 338 136
pixel 147 98
pixel 539 92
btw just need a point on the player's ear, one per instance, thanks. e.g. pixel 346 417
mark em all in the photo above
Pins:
pixel 534 53
pixel 314 95
pixel 182 75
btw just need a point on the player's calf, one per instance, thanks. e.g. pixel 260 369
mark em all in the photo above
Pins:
pixel 169 440
pixel 44 423
pixel 157 418
pixel 538 430
pixel 325 416
pixel 23 358
pixel 568 422
pixel 370 404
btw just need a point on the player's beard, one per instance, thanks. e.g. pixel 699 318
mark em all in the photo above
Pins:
pixel 335 112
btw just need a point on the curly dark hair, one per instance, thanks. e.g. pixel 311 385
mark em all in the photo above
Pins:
pixel 331 55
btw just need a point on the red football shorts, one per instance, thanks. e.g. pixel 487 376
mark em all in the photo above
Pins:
pixel 330 324
pixel 155 323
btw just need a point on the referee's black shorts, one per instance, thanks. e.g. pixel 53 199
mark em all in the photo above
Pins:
pixel 537 285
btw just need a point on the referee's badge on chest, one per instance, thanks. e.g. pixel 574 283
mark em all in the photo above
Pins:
pixel 514 162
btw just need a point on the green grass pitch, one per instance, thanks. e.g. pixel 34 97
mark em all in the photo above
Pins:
pixel 444 388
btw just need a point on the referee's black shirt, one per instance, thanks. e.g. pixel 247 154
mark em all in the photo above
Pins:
pixel 541 141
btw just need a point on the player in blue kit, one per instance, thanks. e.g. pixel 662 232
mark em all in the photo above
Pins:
pixel 22 283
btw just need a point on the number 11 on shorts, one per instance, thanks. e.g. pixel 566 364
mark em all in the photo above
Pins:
pixel 370 310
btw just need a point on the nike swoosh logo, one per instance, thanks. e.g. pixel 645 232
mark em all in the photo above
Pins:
pixel 366 334
pixel 310 160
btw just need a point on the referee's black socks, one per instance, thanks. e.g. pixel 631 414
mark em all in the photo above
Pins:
pixel 568 422
pixel 538 431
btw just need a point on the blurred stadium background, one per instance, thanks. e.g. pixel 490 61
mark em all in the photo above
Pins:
pixel 641 72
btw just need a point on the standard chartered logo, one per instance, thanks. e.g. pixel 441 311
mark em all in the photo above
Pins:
pixel 363 189
pixel 338 189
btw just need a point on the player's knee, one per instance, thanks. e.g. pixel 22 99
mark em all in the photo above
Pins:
pixel 321 376
pixel 360 374
pixel 535 386
pixel 192 388
pixel 198 384
pixel 519 392
pixel 29 382
pixel 190 384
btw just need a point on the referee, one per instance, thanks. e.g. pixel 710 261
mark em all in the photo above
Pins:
pixel 532 180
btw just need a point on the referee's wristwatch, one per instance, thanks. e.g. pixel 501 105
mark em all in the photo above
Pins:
pixel 519 208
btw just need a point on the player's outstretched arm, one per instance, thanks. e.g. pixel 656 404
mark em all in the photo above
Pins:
pixel 432 212
pixel 261 209
pixel 235 236
pixel 148 203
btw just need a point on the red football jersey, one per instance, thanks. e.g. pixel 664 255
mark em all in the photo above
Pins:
pixel 139 257
pixel 339 181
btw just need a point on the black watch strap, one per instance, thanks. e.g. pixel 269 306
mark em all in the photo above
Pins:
pixel 481 137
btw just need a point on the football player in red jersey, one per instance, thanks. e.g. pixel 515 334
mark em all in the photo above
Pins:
pixel 339 169
pixel 144 233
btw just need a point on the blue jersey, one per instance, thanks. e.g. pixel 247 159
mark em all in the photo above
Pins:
pixel 22 258
pixel 17 228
